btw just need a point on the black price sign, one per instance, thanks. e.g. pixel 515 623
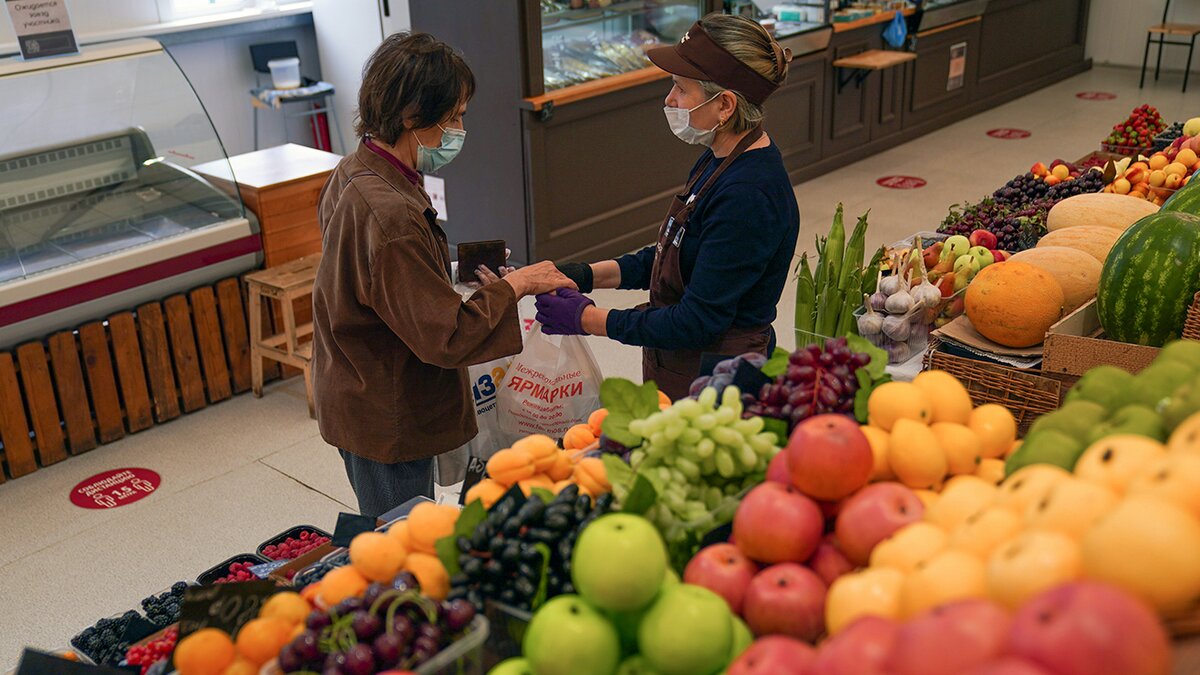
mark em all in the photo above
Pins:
pixel 224 606
pixel 350 525
pixel 40 663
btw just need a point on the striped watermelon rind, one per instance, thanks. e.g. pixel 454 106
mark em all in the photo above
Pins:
pixel 1149 279
pixel 1186 199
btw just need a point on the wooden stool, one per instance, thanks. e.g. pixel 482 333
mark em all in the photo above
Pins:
pixel 1162 30
pixel 285 284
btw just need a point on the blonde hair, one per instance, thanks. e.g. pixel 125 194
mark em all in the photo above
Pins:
pixel 751 44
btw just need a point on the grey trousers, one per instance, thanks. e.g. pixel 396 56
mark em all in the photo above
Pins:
pixel 382 487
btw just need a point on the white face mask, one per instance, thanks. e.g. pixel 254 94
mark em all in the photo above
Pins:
pixel 679 119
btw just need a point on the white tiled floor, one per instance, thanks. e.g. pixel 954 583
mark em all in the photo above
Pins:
pixel 243 470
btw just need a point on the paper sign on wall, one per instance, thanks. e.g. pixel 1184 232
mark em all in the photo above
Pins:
pixel 436 189
pixel 958 66
pixel 43 27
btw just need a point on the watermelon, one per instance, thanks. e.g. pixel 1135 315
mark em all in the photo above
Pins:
pixel 1149 279
pixel 1186 199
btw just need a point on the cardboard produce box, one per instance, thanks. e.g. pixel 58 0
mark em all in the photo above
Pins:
pixel 1076 344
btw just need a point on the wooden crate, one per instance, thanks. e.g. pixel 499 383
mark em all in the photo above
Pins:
pixel 78 388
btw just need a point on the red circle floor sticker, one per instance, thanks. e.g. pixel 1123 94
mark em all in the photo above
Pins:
pixel 114 488
pixel 1009 134
pixel 1096 95
pixel 901 182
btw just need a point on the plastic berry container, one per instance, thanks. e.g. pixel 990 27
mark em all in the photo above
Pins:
pixel 290 533
pixel 221 570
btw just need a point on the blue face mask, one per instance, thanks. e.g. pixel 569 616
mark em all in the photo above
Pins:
pixel 432 159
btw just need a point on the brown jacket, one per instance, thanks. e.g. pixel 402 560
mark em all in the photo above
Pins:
pixel 391 337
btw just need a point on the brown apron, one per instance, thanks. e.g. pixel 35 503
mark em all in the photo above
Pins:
pixel 675 369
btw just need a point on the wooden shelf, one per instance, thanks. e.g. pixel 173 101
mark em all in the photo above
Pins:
pixel 882 17
pixel 586 90
pixel 874 59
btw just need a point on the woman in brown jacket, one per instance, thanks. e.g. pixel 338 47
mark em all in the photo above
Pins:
pixel 392 339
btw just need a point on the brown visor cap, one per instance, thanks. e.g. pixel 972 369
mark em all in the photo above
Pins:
pixel 699 57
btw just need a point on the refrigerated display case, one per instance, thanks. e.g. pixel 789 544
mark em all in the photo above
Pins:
pixel 99 209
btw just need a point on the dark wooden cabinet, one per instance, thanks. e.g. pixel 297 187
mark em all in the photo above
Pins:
pixel 930 92
pixel 849 122
pixel 1023 42
pixel 891 88
pixel 796 113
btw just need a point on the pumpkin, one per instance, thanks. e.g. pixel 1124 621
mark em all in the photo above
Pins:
pixel 1077 273
pixel 1095 240
pixel 1014 303
pixel 1098 208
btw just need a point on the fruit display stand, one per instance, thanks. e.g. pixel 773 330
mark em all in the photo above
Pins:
pixel 1076 344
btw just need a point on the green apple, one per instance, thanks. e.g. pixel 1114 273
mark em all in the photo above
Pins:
pixel 619 562
pixel 687 631
pixel 1131 419
pixel 636 665
pixel 1183 403
pixel 1075 419
pixel 1109 386
pixel 1159 381
pixel 1184 351
pixel 955 247
pixel 567 636
pixel 513 666
pixel 982 255
pixel 1047 446
pixel 742 638
pixel 627 624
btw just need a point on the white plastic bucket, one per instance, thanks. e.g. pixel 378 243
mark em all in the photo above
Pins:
pixel 285 73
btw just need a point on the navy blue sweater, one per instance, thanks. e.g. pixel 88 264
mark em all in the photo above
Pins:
pixel 734 258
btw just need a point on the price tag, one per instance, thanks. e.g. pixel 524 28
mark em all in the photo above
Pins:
pixel 748 379
pixel 261 571
pixel 224 606
pixel 349 525
pixel 138 629
pixel 476 470
pixel 40 663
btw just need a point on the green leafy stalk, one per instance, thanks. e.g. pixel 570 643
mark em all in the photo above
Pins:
pixel 828 324
pixel 870 280
pixel 855 250
pixel 846 323
pixel 835 248
pixel 806 299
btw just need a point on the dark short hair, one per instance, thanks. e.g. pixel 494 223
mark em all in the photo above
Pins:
pixel 411 76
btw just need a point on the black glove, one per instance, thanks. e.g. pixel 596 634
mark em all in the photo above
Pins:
pixel 580 273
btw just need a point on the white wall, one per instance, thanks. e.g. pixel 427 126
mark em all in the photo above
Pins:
pixel 1117 32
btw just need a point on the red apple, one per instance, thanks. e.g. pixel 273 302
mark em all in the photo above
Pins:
pixel 1009 665
pixel 983 238
pixel 786 599
pixel 873 514
pixel 829 511
pixel 776 523
pixel 950 639
pixel 860 648
pixel 1089 627
pixel 777 470
pixel 724 570
pixel 829 457
pixel 998 255
pixel 829 562
pixel 774 655
pixel 1039 169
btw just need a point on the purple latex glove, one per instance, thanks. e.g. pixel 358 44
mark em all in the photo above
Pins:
pixel 561 312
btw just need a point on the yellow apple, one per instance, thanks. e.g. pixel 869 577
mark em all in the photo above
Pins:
pixel 984 531
pixel 1157 178
pixel 1030 564
pixel 961 497
pixel 1071 507
pixel 946 394
pixel 1174 478
pixel 1186 437
pixel 963 448
pixel 991 469
pixel 1116 460
pixel 1150 548
pixel 947 576
pixel 1028 485
pixel 878 438
pixel 908 546
pixel 928 497
pixel 915 455
pixel 873 591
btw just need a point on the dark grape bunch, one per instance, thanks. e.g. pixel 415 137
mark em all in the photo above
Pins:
pixel 103 642
pixel 388 627
pixel 1021 190
pixel 317 571
pixel 501 560
pixel 818 380
pixel 1089 181
pixel 1016 227
pixel 723 372
pixel 163 609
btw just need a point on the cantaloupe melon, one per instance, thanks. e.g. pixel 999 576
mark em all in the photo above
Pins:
pixel 1098 208
pixel 1095 240
pixel 1077 273
pixel 1014 303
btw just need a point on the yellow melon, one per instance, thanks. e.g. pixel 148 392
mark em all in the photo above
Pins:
pixel 1013 303
pixel 1094 240
pixel 1077 272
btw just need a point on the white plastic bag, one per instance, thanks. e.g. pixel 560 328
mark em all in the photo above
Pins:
pixel 552 385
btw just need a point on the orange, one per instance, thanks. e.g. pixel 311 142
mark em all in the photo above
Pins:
pixel 399 532
pixel 596 421
pixel 241 667
pixel 996 428
pixel 339 584
pixel 287 606
pixel 578 437
pixel 429 522
pixel 377 556
pixel 511 465
pixel 208 651
pixel 260 640
pixel 541 448
pixel 487 490
pixel 431 575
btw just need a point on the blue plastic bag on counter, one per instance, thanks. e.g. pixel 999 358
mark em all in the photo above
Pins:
pixel 896 32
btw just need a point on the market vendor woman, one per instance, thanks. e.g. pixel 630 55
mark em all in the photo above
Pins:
pixel 392 338
pixel 726 243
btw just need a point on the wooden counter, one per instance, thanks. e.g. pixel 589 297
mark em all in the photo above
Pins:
pixel 881 17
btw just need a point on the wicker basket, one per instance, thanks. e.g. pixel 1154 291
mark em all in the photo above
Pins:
pixel 1026 393
pixel 1191 327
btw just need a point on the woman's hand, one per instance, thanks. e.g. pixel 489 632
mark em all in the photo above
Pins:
pixel 541 277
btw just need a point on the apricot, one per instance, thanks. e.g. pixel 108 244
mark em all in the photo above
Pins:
pixel 540 480
pixel 340 583
pixel 540 448
pixel 208 651
pixel 512 465
pixel 377 556
pixel 260 640
pixel 428 522
pixel 399 532
pixel 578 437
pixel 487 490
pixel 430 573
pixel 596 421
pixel 592 477
pixel 664 401
pixel 563 467
pixel 1176 168
pixel 1159 161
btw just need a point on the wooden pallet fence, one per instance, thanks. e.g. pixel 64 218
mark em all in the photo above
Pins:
pixel 77 389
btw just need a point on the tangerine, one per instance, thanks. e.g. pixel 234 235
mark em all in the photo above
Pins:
pixel 288 606
pixel 430 573
pixel 208 651
pixel 260 640
pixel 377 556
pixel 341 583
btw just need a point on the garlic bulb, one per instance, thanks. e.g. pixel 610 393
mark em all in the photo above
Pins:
pixel 897 328
pixel 898 352
pixel 871 322
pixel 899 302
pixel 890 284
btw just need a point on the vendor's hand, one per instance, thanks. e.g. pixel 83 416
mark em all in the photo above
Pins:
pixel 561 312
pixel 541 277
